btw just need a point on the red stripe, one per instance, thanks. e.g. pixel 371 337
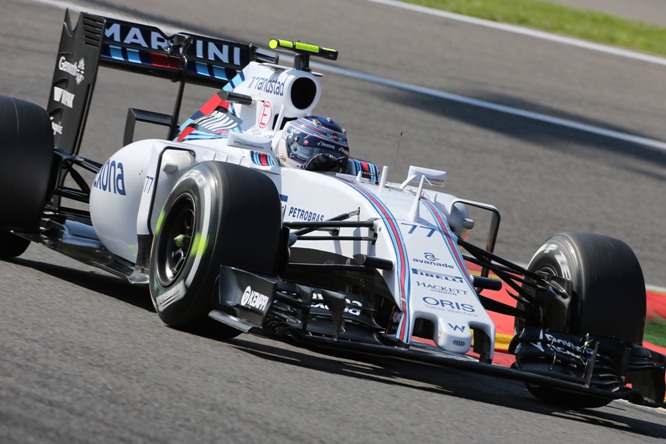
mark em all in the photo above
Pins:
pixel 186 132
pixel 214 103
pixel 447 234
pixel 163 61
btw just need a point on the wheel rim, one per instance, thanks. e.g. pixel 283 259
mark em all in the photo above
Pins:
pixel 175 240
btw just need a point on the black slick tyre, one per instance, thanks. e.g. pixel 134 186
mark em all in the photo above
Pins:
pixel 608 297
pixel 26 150
pixel 217 214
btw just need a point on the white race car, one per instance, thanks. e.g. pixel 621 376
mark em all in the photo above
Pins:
pixel 217 227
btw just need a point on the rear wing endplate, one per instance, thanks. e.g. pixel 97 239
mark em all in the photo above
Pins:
pixel 102 41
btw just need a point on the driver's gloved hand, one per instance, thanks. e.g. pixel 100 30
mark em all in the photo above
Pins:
pixel 326 162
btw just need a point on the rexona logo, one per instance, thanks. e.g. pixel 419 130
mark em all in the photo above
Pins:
pixel 75 70
pixel 111 178
pixel 440 276
pixel 64 97
pixel 254 299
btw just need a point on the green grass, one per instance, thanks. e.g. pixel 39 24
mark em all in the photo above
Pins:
pixel 555 18
pixel 655 332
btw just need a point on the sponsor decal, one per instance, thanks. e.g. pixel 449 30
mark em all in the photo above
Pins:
pixel 265 115
pixel 441 289
pixel 265 84
pixel 64 97
pixel 76 70
pixel 111 178
pixel 170 296
pixel 455 327
pixel 148 184
pixel 308 216
pixel 323 144
pixel 152 38
pixel 432 260
pixel 56 127
pixel 563 346
pixel 352 307
pixel 450 306
pixel 412 228
pixel 440 276
pixel 254 299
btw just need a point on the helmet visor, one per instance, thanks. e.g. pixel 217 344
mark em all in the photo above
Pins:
pixel 301 149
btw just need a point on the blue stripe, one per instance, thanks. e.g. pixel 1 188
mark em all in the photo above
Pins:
pixel 445 231
pixel 398 245
pixel 133 56
pixel 116 52
pixel 202 69
pixel 220 73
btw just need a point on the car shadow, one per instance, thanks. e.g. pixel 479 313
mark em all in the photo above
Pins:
pixel 106 284
pixel 444 381
pixel 439 380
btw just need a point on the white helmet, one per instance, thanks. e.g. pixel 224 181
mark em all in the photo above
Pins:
pixel 306 137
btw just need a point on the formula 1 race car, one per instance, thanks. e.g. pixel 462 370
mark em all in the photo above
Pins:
pixel 217 228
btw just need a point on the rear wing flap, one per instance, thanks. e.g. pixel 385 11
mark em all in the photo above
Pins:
pixel 102 41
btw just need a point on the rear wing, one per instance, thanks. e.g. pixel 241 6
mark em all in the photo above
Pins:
pixel 102 41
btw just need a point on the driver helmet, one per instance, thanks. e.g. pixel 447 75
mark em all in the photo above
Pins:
pixel 307 137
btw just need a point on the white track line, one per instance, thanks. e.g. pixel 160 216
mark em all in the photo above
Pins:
pixel 526 31
pixel 652 143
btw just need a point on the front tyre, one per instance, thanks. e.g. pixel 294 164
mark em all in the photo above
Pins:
pixel 217 214
pixel 608 298
pixel 11 245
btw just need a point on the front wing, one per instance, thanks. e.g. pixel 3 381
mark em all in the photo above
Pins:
pixel 271 307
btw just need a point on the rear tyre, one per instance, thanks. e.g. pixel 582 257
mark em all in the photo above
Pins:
pixel 217 214
pixel 26 150
pixel 608 297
